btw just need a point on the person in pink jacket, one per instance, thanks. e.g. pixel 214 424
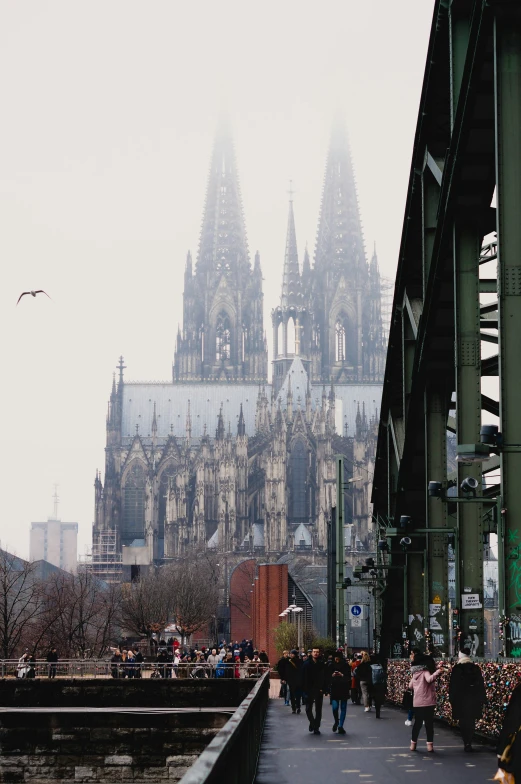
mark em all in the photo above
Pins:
pixel 423 684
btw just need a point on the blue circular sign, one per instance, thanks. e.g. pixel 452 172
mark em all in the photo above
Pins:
pixel 356 610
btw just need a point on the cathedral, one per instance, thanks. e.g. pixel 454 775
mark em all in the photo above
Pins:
pixel 220 455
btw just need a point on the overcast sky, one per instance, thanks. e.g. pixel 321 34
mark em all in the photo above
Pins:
pixel 108 112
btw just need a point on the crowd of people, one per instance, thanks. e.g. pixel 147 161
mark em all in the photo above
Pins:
pixel 223 660
pixel 306 678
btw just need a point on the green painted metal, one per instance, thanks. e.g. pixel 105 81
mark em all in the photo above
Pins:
pixel 507 62
pixel 340 553
pixel 436 581
pixel 466 246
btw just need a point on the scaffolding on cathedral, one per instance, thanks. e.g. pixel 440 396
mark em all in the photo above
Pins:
pixel 105 561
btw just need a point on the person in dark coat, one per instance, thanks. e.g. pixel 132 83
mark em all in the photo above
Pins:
pixel 467 695
pixel 379 684
pixel 509 743
pixel 281 669
pixel 364 676
pixel 294 680
pixel 52 658
pixel 314 681
pixel 339 687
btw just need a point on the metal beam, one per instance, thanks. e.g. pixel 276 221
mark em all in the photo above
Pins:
pixel 507 60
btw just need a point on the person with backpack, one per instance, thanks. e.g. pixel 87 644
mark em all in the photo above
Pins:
pixel 423 684
pixel 467 695
pixel 339 687
pixel 379 681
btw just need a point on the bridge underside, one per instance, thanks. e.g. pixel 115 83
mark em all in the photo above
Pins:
pixel 455 338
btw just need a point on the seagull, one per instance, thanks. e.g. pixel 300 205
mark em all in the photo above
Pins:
pixel 33 294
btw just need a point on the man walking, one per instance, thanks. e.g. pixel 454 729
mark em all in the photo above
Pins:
pixel 294 680
pixel 466 695
pixel 314 685
pixel 282 665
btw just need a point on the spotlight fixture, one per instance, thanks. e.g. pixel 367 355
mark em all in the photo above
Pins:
pixel 435 489
pixel 469 485
pixel 405 542
pixel 405 522
pixel 489 434
pixel 383 545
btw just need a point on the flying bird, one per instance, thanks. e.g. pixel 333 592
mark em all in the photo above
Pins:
pixel 33 294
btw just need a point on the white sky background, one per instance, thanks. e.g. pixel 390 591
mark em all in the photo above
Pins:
pixel 107 118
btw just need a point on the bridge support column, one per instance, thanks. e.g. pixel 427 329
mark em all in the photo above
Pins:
pixel 436 574
pixel 507 51
pixel 466 247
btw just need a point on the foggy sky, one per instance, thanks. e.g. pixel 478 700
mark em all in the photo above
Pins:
pixel 108 112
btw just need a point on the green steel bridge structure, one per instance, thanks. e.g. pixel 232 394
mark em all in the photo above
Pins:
pixel 453 371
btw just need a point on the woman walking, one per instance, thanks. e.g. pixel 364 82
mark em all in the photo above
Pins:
pixel 364 677
pixel 423 684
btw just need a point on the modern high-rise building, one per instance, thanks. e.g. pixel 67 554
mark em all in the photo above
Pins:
pixel 55 542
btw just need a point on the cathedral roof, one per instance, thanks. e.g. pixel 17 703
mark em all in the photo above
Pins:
pixel 172 402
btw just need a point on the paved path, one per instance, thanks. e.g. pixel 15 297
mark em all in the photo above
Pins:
pixel 372 752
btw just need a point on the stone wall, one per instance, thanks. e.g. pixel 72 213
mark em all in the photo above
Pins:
pixel 108 731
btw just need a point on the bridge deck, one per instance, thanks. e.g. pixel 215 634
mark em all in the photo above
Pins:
pixel 289 753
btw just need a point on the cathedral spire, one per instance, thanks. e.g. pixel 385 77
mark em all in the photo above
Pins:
pixel 223 246
pixel 219 433
pixel 340 244
pixel 291 273
pixel 241 427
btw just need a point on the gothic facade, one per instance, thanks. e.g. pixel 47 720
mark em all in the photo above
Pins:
pixel 220 456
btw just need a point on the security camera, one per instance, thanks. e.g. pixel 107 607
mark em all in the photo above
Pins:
pixel 405 542
pixel 435 489
pixel 469 485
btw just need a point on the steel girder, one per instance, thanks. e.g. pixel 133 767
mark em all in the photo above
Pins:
pixel 467 142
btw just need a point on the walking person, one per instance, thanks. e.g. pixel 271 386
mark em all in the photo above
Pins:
pixel 379 684
pixel 52 658
pixel 355 688
pixel 423 684
pixel 314 686
pixel 339 687
pixel 282 665
pixel 467 695
pixel 294 680
pixel 364 676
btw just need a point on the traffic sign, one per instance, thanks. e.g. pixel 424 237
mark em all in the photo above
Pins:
pixel 356 611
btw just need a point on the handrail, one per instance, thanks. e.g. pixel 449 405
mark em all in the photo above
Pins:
pixel 233 753
pixel 104 668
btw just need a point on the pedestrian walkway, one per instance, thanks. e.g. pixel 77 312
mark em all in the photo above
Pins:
pixel 372 752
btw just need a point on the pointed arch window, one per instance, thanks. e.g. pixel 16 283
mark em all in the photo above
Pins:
pixel 299 475
pixel 340 341
pixel 134 503
pixel 168 473
pixel 223 337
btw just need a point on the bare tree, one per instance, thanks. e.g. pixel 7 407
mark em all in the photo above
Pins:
pixel 21 602
pixel 195 591
pixel 82 614
pixel 147 603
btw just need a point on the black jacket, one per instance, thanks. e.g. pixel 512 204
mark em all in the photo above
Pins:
pixel 467 691
pixel 509 744
pixel 294 672
pixel 339 685
pixel 282 666
pixel 364 672
pixel 314 676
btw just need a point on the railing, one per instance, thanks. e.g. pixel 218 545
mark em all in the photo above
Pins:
pixel 233 754
pixel 104 668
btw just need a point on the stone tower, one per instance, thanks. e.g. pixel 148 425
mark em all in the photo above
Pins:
pixel 223 336
pixel 345 330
